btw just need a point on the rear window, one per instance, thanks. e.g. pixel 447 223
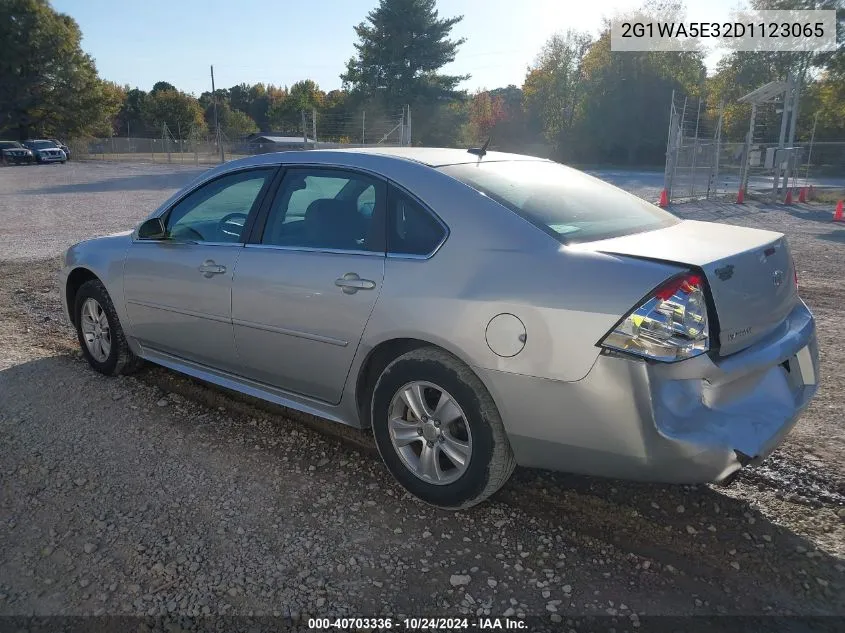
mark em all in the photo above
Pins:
pixel 567 204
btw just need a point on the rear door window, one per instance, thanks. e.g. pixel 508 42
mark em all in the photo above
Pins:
pixel 569 205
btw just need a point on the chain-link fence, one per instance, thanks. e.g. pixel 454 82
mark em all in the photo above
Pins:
pixel 700 163
pixel 313 130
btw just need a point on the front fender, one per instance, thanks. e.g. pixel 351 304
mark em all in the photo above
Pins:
pixel 103 258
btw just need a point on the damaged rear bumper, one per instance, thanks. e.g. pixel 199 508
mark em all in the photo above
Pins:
pixel 700 420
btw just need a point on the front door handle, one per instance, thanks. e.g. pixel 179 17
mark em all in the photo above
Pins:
pixel 209 268
pixel 351 283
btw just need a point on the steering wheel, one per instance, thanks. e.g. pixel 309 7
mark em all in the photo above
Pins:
pixel 229 227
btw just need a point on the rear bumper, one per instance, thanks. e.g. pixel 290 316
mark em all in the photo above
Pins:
pixel 695 421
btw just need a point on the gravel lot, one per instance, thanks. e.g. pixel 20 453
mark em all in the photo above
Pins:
pixel 157 495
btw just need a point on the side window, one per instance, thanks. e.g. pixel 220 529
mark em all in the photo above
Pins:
pixel 412 230
pixel 325 209
pixel 217 211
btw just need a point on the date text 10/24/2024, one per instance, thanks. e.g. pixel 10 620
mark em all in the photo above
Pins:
pixel 413 624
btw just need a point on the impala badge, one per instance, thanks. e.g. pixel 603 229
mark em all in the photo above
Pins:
pixel 777 278
pixel 725 272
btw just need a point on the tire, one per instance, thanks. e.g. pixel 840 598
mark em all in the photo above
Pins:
pixel 119 359
pixel 478 430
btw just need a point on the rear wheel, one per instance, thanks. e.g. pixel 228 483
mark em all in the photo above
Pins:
pixel 438 430
pixel 100 335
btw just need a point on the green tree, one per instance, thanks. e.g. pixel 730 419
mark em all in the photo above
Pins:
pixel 48 85
pixel 400 49
pixel 130 119
pixel 238 124
pixel 554 85
pixel 179 111
pixel 161 86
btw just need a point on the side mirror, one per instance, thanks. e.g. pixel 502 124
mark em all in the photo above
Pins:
pixel 152 229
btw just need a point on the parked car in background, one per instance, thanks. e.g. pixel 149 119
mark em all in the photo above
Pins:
pixel 61 146
pixel 46 151
pixel 12 152
pixel 476 309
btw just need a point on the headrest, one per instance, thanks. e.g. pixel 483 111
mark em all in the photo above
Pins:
pixel 333 223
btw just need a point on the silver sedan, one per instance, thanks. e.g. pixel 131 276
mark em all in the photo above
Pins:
pixel 476 310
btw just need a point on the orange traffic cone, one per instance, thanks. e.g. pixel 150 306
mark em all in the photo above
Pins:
pixel 788 198
pixel 664 199
pixel 802 194
pixel 740 196
pixel 839 214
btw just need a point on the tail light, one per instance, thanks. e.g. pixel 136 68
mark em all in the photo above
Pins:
pixel 670 325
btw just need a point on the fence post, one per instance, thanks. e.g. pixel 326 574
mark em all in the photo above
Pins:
pixel 810 151
pixel 746 152
pixel 695 150
pixel 714 167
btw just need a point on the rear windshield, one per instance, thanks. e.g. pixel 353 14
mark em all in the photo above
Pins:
pixel 567 204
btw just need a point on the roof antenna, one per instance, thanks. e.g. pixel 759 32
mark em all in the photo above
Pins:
pixel 480 151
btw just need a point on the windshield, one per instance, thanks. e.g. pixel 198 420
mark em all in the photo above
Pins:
pixel 9 144
pixel 40 144
pixel 567 204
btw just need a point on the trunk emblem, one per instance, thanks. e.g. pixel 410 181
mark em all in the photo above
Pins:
pixel 777 278
pixel 725 272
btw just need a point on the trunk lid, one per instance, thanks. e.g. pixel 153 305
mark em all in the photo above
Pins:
pixel 749 271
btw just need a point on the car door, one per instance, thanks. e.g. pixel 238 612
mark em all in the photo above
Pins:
pixel 307 283
pixel 178 290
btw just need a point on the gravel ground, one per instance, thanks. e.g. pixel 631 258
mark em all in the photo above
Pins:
pixel 157 494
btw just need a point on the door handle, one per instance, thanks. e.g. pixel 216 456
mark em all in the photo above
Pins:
pixel 351 283
pixel 209 268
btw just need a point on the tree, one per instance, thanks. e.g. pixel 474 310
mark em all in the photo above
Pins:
pixel 161 86
pixel 238 124
pixel 180 112
pixel 130 119
pixel 553 86
pixel 400 49
pixel 622 114
pixel 305 95
pixel 48 85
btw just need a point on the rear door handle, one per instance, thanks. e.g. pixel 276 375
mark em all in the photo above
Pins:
pixel 351 283
pixel 209 268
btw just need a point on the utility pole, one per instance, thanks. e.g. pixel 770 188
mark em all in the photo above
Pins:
pixel 314 126
pixel 792 164
pixel 363 127
pixel 304 132
pixel 216 123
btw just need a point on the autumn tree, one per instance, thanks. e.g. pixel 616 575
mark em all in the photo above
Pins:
pixel 553 86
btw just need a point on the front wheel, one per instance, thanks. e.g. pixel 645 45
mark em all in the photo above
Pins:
pixel 438 430
pixel 101 337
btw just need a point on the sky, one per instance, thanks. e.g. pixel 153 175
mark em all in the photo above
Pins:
pixel 283 41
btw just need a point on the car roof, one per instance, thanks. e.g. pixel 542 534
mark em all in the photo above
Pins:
pixel 372 157
pixel 433 156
